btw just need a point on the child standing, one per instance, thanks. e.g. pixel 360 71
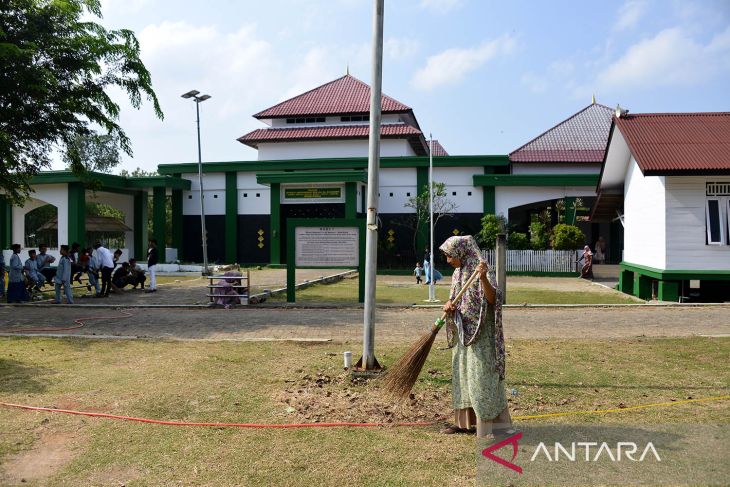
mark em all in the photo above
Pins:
pixel 63 277
pixel 418 271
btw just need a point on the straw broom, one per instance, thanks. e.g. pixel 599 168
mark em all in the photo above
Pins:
pixel 401 377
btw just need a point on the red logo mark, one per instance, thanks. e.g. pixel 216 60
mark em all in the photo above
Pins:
pixel 513 440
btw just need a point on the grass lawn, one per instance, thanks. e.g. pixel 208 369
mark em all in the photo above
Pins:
pixel 401 293
pixel 288 382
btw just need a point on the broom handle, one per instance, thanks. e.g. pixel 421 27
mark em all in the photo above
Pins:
pixel 440 322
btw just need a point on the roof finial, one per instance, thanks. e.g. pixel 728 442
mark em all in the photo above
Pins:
pixel 593 99
pixel 347 70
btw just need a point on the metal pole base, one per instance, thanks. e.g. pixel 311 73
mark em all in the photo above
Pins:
pixel 431 300
pixel 358 371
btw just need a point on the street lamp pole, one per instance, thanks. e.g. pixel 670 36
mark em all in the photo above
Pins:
pixel 194 94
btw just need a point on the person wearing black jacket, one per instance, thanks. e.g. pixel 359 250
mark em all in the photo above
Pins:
pixel 152 257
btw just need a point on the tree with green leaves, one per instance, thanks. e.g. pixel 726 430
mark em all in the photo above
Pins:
pixel 93 152
pixel 443 206
pixel 57 69
pixel 492 225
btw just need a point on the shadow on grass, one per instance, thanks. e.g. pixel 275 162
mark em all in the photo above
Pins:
pixel 21 377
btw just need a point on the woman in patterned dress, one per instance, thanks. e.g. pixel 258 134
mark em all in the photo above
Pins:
pixel 474 331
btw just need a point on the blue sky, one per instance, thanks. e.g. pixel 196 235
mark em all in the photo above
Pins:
pixel 483 76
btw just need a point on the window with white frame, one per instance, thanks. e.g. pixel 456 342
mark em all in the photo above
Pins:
pixel 717 213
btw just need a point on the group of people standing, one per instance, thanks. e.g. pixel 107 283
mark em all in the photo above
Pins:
pixel 98 262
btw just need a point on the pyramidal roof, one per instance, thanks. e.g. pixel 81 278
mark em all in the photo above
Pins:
pixel 342 96
pixel 581 137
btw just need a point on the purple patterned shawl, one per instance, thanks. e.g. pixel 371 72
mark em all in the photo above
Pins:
pixel 473 308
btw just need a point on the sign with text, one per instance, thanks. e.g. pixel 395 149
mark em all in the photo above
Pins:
pixel 327 246
pixel 314 193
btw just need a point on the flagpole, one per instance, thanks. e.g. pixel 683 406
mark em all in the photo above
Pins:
pixel 431 285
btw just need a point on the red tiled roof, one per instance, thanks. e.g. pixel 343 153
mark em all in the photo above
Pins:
pixel 580 138
pixel 438 149
pixel 341 96
pixel 323 133
pixel 678 143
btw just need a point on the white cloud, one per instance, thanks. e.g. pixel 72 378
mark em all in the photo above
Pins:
pixel 128 6
pixel 399 49
pixel 671 58
pixel 629 14
pixel 440 6
pixel 534 82
pixel 452 65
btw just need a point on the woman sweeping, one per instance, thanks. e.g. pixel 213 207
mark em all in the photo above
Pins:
pixel 474 331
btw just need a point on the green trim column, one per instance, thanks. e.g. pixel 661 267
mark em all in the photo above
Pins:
pixel 275 229
pixel 231 217
pixel 570 210
pixel 489 195
pixel 159 202
pixel 668 291
pixel 350 200
pixel 6 224
pixel 642 287
pixel 423 235
pixel 140 225
pixel 626 282
pixel 76 214
pixel 177 222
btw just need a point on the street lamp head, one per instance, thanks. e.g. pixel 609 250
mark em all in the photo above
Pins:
pixel 202 98
pixel 191 94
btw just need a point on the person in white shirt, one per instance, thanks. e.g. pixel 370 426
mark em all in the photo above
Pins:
pixel 106 264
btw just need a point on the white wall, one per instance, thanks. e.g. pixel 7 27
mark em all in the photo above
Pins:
pixel 644 218
pixel 214 194
pixel 214 201
pixel 248 201
pixel 686 230
pixel 460 180
pixel 330 149
pixel 537 168
pixel 507 197
pixel 401 184
pixel 54 194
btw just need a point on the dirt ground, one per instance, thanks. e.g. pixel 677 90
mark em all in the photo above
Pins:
pixel 345 325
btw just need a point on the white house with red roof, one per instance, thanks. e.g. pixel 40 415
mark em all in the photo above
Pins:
pixel 332 120
pixel 667 176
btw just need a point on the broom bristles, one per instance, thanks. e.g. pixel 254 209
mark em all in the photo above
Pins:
pixel 402 375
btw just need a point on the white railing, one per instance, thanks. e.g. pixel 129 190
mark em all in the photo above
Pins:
pixel 537 260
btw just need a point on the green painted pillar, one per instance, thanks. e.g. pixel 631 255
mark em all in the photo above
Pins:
pixel 159 202
pixel 569 210
pixel 177 222
pixel 642 287
pixel 423 235
pixel 626 282
pixel 6 224
pixel 76 214
pixel 275 244
pixel 140 225
pixel 668 291
pixel 231 217
pixel 351 200
pixel 489 195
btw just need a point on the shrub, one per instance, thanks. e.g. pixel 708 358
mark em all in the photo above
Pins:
pixel 538 236
pixel 518 241
pixel 567 237
pixel 492 225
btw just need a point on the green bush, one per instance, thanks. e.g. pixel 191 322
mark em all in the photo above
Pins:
pixel 518 241
pixel 567 237
pixel 538 236
pixel 492 225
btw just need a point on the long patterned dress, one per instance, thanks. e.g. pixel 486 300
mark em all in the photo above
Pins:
pixel 475 333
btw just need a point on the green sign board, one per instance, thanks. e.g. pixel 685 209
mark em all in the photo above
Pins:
pixel 312 193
